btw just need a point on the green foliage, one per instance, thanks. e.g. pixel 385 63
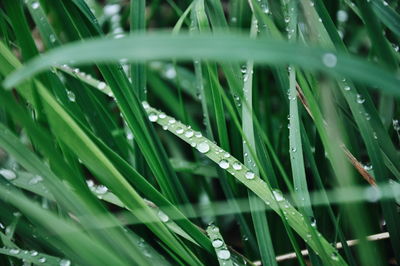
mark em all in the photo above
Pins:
pixel 284 119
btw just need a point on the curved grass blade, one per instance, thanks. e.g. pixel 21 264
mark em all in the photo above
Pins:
pixel 225 47
pixel 223 254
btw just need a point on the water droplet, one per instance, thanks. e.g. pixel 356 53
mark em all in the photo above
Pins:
pixel 179 130
pixel 329 60
pixel 36 179
pixel 334 257
pixel 217 243
pixel 42 260
pixel 65 262
pixel 278 195
pixel 153 117
pixel 14 251
pixel 8 174
pixel 237 166
pixel 111 10
pixel 372 194
pixel 203 147
pixel 52 38
pixel 287 19
pixel 396 125
pixel 34 253
pixel 249 175
pixel 198 135
pixel 223 254
pixel 163 217
pixel 172 121
pixel 342 16
pixel 227 155
pixel 90 183
pixel 224 164
pixel 170 72
pixel 162 115
pixel 100 189
pixel 347 88
pixel 35 5
pixel 313 222
pixel 145 104
pixel 102 85
pixel 71 96
pixel 360 99
pixel 189 133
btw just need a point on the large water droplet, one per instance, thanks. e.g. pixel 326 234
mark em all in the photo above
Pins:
pixel 100 189
pixel 347 88
pixel 224 164
pixel 203 147
pixel 170 72
pixel 14 251
pixel 223 254
pixel 65 262
pixel 153 117
pixel 34 253
pixel 342 16
pixel 217 243
pixel 35 5
pixel 102 85
pixel 42 260
pixel 189 133
pixel 249 175
pixel 278 195
pixel 162 115
pixel 329 60
pixel 8 174
pixel 163 217
pixel 110 10
pixel 237 166
pixel 179 130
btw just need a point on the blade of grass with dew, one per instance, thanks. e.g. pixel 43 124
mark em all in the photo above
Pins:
pixel 295 144
pixel 223 254
pixel 215 115
pixel 261 226
pixel 39 258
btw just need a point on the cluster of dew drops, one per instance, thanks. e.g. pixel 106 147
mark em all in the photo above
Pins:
pixel 34 253
pixel 196 140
